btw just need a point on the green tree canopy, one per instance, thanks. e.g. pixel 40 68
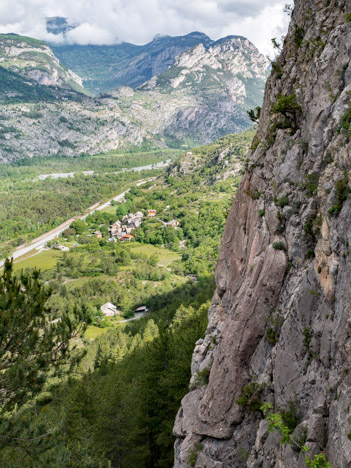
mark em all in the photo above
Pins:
pixel 33 339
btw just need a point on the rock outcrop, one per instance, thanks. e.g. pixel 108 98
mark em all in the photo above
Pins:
pixel 279 324
pixel 35 60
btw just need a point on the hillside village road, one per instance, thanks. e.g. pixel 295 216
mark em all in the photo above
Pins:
pixel 44 238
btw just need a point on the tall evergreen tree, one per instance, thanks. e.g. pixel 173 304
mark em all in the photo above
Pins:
pixel 34 340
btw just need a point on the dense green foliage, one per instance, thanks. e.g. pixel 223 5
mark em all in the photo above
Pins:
pixel 32 337
pixel 35 341
pixel 118 405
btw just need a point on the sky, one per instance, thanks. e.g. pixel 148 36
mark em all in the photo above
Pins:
pixel 138 21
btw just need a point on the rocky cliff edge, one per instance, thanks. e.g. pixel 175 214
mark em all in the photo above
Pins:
pixel 280 324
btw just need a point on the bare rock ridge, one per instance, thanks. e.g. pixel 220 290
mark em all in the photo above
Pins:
pixel 280 319
pixel 35 61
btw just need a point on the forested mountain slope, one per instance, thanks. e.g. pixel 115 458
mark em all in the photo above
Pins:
pixel 279 323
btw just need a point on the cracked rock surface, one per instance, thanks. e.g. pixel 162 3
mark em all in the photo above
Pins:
pixel 280 318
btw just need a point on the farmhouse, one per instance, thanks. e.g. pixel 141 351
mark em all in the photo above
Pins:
pixel 151 213
pixel 63 248
pixel 126 238
pixel 109 310
pixel 98 234
pixel 174 223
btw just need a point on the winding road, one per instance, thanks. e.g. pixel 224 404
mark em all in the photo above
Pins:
pixel 48 236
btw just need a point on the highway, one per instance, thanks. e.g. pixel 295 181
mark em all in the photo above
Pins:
pixel 48 236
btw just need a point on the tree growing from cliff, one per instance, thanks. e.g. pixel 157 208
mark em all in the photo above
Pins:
pixel 254 114
pixel 289 108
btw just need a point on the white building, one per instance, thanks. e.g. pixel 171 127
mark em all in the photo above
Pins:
pixel 109 310
pixel 63 248
pixel 140 311
pixel 174 223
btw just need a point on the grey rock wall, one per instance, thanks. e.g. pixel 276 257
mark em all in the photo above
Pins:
pixel 284 265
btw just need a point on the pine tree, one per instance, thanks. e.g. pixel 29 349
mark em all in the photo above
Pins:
pixel 33 339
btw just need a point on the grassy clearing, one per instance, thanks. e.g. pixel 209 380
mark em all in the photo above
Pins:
pixel 166 256
pixel 44 260
pixel 110 209
pixel 93 332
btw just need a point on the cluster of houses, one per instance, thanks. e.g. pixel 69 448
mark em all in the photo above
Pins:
pixel 122 230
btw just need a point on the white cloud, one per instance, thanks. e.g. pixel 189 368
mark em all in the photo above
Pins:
pixel 87 33
pixel 137 21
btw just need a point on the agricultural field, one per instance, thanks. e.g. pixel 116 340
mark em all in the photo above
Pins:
pixel 44 260
pixel 165 256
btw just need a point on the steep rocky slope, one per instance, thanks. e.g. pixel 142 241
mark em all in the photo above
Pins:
pixel 232 64
pixel 218 161
pixel 279 324
pixel 107 67
pixel 34 60
pixel 37 120
pixel 202 98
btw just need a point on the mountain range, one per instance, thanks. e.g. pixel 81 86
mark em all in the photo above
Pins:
pixel 193 97
pixel 107 67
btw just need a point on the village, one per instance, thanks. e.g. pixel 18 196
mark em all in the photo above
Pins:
pixel 121 230
pixel 124 229
pixel 118 231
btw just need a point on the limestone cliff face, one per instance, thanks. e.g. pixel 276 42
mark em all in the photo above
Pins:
pixel 207 92
pixel 35 60
pixel 280 317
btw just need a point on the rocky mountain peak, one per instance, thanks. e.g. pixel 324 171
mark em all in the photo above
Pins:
pixel 279 323
pixel 159 36
pixel 35 60
pixel 103 68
